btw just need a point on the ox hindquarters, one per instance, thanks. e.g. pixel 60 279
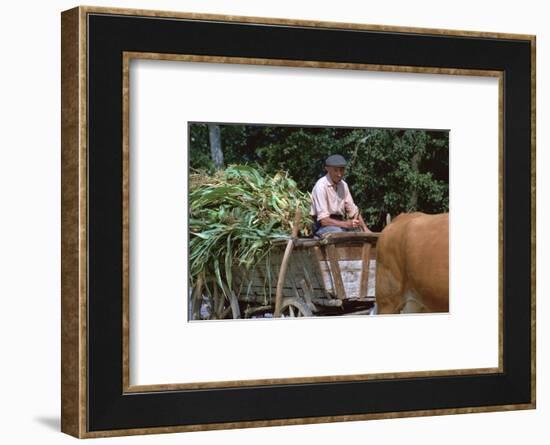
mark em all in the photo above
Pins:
pixel 412 269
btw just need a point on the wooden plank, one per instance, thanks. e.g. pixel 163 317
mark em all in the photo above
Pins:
pixel 308 295
pixel 292 278
pixel 363 287
pixel 300 242
pixel 309 277
pixel 351 270
pixel 349 237
pixel 345 237
pixel 319 253
pixel 312 266
pixel 350 252
pixel 291 287
pixel 335 271
pixel 320 258
pixel 327 302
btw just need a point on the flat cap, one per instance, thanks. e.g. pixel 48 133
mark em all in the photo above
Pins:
pixel 335 161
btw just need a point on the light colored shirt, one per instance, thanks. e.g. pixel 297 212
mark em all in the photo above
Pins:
pixel 328 198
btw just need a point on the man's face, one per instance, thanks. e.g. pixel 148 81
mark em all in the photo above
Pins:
pixel 336 173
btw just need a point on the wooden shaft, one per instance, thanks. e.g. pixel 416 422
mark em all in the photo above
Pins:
pixel 336 273
pixel 364 281
pixel 285 261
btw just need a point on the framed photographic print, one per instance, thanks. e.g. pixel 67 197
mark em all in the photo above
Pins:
pixel 271 222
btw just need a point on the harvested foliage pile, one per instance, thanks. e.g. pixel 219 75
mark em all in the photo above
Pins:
pixel 235 215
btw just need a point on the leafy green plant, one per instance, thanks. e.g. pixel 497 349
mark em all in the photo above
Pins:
pixel 235 216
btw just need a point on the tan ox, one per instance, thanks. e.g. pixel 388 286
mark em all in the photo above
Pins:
pixel 412 265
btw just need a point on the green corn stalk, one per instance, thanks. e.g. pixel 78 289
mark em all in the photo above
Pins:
pixel 235 216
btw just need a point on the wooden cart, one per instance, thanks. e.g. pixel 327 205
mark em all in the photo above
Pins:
pixel 301 277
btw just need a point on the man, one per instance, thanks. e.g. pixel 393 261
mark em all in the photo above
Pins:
pixel 331 201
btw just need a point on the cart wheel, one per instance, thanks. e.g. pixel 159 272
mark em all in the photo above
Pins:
pixel 294 307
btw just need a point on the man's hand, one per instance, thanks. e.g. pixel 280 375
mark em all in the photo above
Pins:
pixel 366 229
pixel 363 225
pixel 352 224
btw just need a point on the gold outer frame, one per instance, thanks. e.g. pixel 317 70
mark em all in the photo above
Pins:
pixel 74 223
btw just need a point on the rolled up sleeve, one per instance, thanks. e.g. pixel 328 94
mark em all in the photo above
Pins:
pixel 319 203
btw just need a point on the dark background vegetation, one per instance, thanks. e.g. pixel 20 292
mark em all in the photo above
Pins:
pixel 389 170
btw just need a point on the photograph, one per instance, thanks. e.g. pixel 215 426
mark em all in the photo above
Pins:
pixel 315 221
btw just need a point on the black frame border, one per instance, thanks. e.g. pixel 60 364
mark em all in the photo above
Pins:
pixel 109 408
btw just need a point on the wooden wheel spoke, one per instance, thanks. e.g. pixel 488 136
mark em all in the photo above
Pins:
pixel 295 307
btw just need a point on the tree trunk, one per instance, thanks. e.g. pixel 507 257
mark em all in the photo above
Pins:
pixel 413 200
pixel 216 152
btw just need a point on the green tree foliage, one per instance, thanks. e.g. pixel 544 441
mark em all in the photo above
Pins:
pixel 389 170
